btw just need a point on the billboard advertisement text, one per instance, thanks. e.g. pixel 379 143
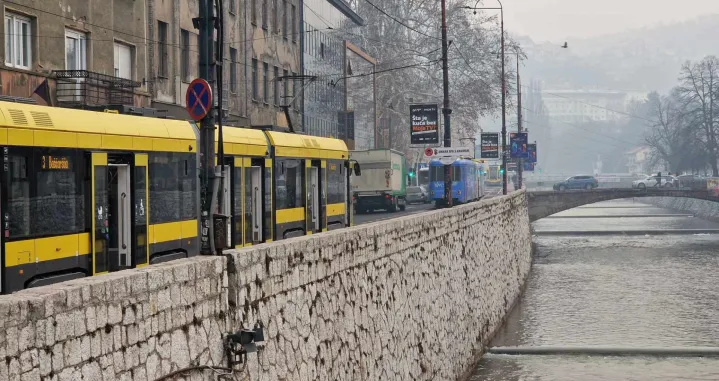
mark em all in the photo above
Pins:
pixel 424 124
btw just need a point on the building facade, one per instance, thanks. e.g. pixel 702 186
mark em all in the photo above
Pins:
pixel 579 106
pixel 149 50
pixel 324 54
pixel 90 51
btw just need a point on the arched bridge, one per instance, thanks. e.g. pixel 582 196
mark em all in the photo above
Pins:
pixel 545 203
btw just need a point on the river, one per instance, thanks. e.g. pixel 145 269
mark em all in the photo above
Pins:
pixel 622 291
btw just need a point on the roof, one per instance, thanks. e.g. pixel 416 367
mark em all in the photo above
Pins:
pixel 294 145
pixel 244 141
pixel 346 10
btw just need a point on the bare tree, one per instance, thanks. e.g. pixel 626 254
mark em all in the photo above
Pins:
pixel 404 35
pixel 698 94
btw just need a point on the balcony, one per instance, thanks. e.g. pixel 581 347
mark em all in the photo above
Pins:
pixel 82 88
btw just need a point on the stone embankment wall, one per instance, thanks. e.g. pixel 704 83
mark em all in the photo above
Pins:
pixel 413 298
pixel 708 210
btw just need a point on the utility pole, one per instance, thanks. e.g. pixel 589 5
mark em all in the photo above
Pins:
pixel 504 107
pixel 520 163
pixel 446 111
pixel 207 129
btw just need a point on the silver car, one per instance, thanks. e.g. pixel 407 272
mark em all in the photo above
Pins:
pixel 417 195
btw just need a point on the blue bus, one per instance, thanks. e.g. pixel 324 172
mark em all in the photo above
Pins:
pixel 467 181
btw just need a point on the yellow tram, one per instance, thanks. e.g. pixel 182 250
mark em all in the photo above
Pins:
pixel 85 192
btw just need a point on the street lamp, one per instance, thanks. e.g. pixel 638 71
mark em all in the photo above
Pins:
pixel 504 91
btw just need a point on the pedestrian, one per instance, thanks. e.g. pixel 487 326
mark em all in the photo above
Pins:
pixel 659 179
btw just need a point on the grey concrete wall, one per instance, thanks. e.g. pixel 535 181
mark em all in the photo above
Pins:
pixel 131 325
pixel 414 298
pixel 705 209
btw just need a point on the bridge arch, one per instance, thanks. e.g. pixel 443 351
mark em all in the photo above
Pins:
pixel 546 203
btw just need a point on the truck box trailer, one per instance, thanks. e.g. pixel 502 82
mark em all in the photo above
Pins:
pixel 383 183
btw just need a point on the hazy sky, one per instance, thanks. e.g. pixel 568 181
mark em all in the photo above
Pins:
pixel 559 20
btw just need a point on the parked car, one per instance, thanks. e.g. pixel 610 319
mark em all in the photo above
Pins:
pixel 692 181
pixel 417 195
pixel 577 182
pixel 651 181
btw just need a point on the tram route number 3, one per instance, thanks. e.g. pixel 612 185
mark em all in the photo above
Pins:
pixel 54 162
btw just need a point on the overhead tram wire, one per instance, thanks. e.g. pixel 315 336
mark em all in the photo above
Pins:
pixel 400 22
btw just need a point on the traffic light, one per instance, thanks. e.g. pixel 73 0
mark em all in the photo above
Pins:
pixel 501 170
pixel 411 174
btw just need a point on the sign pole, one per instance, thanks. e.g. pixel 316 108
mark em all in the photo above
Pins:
pixel 207 130
pixel 446 110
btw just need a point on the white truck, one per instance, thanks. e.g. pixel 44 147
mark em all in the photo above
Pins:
pixel 383 183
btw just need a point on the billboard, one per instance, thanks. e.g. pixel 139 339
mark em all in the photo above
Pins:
pixel 527 166
pixel 532 153
pixel 518 145
pixel 424 124
pixel 489 145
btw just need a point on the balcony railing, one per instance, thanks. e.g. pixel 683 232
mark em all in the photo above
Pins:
pixel 82 88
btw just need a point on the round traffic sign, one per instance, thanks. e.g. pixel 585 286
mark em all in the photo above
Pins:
pixel 198 99
pixel 429 152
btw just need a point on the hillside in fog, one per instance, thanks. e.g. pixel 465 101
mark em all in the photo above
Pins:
pixel 635 60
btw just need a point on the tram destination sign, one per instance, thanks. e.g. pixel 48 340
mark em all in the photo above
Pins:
pixel 489 145
pixel 424 124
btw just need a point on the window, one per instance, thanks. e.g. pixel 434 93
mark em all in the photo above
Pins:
pixel 233 70
pixel 322 49
pixel 163 66
pixel 172 187
pixel 336 188
pixel 264 14
pixel 286 88
pixel 285 27
pixel 276 86
pixel 290 182
pixel 294 91
pixel 255 94
pixel 123 61
pixel 185 54
pixel 18 45
pixel 294 24
pixel 75 50
pixel 253 12
pixel 265 85
pixel 275 17
pixel 45 192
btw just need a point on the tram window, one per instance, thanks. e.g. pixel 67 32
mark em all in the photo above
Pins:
pixel 335 183
pixel 19 196
pixel 188 187
pixel 164 188
pixel 436 173
pixel 267 226
pixel 457 173
pixel 57 197
pixel 290 180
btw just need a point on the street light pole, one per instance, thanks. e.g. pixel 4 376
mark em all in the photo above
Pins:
pixel 504 105
pixel 446 111
pixel 520 163
pixel 504 94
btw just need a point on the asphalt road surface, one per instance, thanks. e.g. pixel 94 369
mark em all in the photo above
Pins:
pixel 383 215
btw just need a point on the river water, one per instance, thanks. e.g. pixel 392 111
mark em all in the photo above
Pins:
pixel 621 291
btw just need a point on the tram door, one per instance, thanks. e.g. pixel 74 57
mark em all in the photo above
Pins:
pixel 226 198
pixel 253 183
pixel 120 218
pixel 313 199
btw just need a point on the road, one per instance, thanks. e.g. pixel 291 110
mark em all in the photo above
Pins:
pixel 382 215
pixel 414 209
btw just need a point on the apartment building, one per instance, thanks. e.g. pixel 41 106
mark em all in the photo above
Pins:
pixel 146 52
pixel 91 51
